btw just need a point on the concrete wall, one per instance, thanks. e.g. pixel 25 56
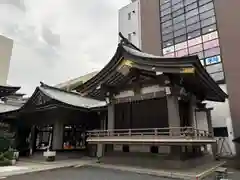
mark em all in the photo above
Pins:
pixel 229 28
pixel 143 148
pixel 132 25
pixel 145 22
pixel 150 27
pixel 220 111
pixel 6 46
pixel 221 117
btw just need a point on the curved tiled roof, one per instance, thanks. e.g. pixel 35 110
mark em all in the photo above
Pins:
pixel 46 97
pixel 199 82
pixel 7 90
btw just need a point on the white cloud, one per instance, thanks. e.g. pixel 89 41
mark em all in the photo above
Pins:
pixel 56 40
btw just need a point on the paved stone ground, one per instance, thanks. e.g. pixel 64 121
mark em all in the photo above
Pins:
pixel 96 173
pixel 84 173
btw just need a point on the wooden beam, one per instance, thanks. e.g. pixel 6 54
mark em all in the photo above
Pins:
pixel 139 97
pixel 159 80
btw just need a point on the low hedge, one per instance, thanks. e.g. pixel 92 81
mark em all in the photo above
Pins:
pixel 9 155
pixel 4 144
pixel 1 156
pixel 5 162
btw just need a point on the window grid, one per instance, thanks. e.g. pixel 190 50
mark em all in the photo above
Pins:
pixel 183 24
pixel 205 11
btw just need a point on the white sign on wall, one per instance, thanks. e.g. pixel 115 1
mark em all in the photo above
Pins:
pixel 213 60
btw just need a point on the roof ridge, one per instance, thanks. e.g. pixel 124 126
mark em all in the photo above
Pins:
pixel 126 42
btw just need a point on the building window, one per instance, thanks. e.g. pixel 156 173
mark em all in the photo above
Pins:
pixel 208 21
pixel 192 13
pixel 210 36
pixel 168 43
pixel 214 68
pixel 170 55
pixel 195 41
pixel 213 60
pixel 192 20
pixel 201 2
pixel 73 137
pixel 129 16
pixel 211 44
pixel 167 30
pixel 166 24
pixel 209 29
pixel 175 1
pixel 206 7
pixel 199 54
pixel 180 32
pixel 167 36
pixel 219 76
pixel 207 14
pixel 183 52
pixel 186 2
pixel 180 39
pixel 195 49
pixel 168 50
pixel 180 46
pixel 166 18
pixel 193 27
pixel 191 6
pixel 194 34
pixel 179 25
pixel 164 1
pixel 220 132
pixel 177 6
pixel 165 6
pixel 165 12
pixel 178 12
pixel 212 52
pixel 178 19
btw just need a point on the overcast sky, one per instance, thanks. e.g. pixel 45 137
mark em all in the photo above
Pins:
pixel 56 40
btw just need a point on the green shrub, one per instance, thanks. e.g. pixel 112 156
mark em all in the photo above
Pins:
pixel 9 155
pixel 4 144
pixel 1 157
pixel 5 162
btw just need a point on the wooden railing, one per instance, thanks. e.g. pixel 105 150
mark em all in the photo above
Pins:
pixel 170 132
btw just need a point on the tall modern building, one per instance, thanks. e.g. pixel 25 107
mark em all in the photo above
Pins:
pixel 6 46
pixel 207 28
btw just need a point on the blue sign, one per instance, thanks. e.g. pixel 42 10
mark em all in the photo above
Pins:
pixel 213 60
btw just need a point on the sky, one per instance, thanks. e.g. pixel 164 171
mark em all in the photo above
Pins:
pixel 57 40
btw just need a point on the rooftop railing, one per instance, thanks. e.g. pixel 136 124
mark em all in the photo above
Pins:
pixel 189 132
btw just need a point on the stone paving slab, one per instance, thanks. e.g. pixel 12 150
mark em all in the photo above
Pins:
pixel 37 166
pixel 29 167
pixel 194 173
pixel 85 173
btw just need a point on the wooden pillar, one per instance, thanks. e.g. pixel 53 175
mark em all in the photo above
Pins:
pixel 174 121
